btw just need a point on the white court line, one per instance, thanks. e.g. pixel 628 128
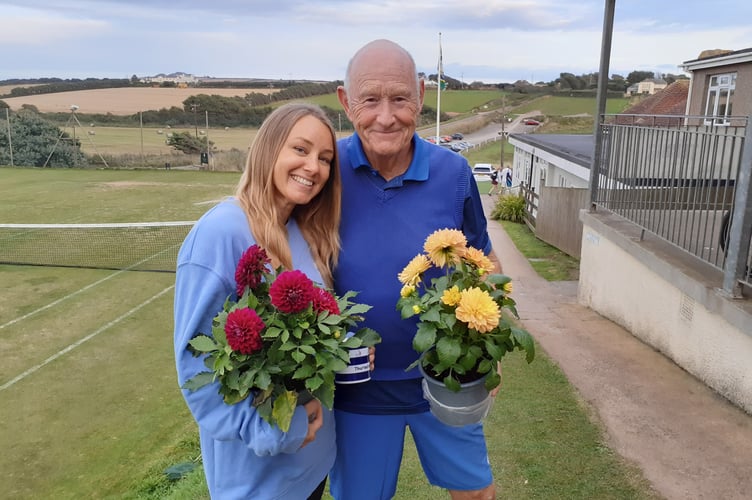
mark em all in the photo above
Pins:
pixel 81 341
pixel 61 299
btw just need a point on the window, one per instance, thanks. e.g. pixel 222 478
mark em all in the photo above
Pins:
pixel 720 99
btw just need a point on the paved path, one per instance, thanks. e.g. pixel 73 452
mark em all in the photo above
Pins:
pixel 689 442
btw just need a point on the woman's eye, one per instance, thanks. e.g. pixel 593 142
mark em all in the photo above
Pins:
pixel 299 149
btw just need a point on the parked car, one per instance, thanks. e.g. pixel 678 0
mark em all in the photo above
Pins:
pixel 530 121
pixel 457 136
pixel 431 139
pixel 482 171
pixel 446 138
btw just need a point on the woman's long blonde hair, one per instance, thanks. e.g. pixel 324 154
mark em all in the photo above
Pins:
pixel 318 220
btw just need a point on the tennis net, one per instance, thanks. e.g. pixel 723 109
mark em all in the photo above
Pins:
pixel 135 246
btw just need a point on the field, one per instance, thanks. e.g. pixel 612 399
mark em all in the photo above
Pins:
pixel 121 101
pixel 88 394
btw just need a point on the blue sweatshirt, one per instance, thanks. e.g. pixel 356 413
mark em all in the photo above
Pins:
pixel 384 225
pixel 243 456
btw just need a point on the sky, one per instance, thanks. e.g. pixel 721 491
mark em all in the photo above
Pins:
pixel 490 41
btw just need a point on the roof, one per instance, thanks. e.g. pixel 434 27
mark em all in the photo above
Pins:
pixel 577 148
pixel 670 101
pixel 717 58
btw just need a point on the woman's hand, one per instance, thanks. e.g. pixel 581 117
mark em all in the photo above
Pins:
pixel 315 420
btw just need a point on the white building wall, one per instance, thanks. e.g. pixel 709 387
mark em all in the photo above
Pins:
pixel 666 309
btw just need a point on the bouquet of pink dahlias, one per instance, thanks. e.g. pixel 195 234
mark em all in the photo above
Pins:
pixel 281 343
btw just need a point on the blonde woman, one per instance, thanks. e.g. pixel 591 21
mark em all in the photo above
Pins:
pixel 288 202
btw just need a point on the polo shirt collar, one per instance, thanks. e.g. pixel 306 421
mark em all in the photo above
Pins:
pixel 418 169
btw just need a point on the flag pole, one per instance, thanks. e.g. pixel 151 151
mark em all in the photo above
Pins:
pixel 438 95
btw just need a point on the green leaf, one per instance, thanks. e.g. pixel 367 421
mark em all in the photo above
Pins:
pixel 198 381
pixel 451 384
pixel 203 343
pixel 308 349
pixel 314 383
pixel 325 394
pixel 492 380
pixel 448 349
pixel 425 337
pixel 359 309
pixel 303 372
pixel 524 339
pixel 283 409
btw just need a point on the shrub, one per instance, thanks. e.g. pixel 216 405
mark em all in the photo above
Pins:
pixel 509 207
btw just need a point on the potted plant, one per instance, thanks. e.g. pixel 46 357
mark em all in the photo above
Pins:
pixel 281 343
pixel 462 334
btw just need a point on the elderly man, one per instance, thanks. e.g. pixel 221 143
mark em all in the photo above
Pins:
pixel 397 189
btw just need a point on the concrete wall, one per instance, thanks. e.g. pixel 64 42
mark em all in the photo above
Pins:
pixel 670 301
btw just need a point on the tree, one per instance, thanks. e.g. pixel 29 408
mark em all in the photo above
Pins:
pixel 187 143
pixel 35 140
pixel 638 76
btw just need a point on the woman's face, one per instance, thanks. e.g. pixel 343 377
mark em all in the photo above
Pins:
pixel 304 164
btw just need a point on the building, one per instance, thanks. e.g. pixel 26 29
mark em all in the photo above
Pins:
pixel 666 225
pixel 721 85
pixel 648 86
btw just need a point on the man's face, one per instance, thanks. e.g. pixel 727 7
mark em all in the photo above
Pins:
pixel 383 103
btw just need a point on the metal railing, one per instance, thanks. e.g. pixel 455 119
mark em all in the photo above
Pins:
pixel 685 179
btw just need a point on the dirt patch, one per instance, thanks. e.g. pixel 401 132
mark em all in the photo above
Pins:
pixel 122 101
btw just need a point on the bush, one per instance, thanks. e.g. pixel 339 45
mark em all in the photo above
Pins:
pixel 509 207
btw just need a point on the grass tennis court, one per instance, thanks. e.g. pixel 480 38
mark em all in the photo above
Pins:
pixel 88 397
pixel 89 404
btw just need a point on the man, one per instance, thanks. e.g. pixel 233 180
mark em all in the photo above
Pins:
pixel 397 189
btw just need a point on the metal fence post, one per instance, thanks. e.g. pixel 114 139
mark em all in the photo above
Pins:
pixel 741 222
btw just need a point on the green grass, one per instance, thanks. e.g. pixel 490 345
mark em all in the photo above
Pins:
pixel 563 106
pixel 105 419
pixel 452 101
pixel 548 261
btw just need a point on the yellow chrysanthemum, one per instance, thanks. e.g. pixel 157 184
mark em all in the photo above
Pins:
pixel 407 290
pixel 445 245
pixel 478 310
pixel 478 259
pixel 412 272
pixel 451 296
pixel 508 288
pixel 416 309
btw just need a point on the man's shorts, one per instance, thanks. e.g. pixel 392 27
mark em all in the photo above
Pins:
pixel 369 453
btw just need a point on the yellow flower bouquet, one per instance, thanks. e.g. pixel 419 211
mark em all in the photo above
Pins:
pixel 462 334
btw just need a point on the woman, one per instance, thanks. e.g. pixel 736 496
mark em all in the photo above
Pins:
pixel 288 202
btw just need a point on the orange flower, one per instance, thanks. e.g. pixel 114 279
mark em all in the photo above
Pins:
pixel 478 259
pixel 414 269
pixel 451 296
pixel 478 310
pixel 445 246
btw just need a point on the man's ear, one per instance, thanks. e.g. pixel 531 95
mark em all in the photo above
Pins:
pixel 342 97
pixel 422 90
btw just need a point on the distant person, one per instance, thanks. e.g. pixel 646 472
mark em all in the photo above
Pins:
pixel 396 190
pixel 506 177
pixel 288 202
pixel 494 182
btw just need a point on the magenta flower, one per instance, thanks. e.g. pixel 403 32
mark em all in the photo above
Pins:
pixel 243 331
pixel 291 292
pixel 250 268
pixel 324 301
